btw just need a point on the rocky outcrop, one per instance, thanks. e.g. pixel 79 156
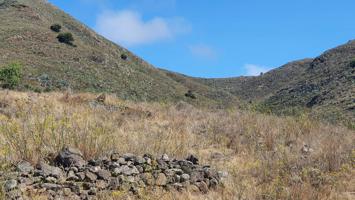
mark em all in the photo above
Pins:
pixel 74 178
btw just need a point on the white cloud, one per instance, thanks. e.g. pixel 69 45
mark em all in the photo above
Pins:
pixel 203 51
pixel 128 28
pixel 255 70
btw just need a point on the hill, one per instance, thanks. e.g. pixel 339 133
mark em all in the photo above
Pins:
pixel 325 85
pixel 90 64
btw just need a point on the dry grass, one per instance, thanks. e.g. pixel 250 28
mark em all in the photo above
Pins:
pixel 262 154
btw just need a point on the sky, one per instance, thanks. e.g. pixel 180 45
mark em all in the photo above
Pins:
pixel 219 38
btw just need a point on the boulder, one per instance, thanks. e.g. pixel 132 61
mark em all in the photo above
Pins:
pixel 25 167
pixel 69 157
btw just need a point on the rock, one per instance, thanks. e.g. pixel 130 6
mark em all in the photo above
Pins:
pixel 101 184
pixel 184 177
pixel 161 180
pixel 121 161
pixel 139 160
pixel 192 159
pixel 147 178
pixel 115 157
pixel 197 176
pixel 10 185
pixel 51 186
pixel 25 167
pixel 222 174
pixel 128 170
pixel 47 170
pixel 103 174
pixel 69 157
pixel 50 179
pixel 213 183
pixel 13 194
pixel 129 157
pixel 202 186
pixel 89 176
pixel 80 175
pixel 71 176
pixel 165 157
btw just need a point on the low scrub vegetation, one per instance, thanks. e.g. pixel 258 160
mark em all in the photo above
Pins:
pixel 267 157
pixel 66 38
pixel 56 28
pixel 10 76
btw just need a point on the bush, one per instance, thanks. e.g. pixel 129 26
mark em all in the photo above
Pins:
pixel 190 94
pixel 352 64
pixel 56 28
pixel 124 57
pixel 66 38
pixel 10 76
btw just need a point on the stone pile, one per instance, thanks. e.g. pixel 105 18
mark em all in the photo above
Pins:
pixel 72 177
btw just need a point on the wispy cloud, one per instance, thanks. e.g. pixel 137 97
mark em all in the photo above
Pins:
pixel 255 70
pixel 128 28
pixel 203 51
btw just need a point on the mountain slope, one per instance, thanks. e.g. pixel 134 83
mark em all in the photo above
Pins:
pixel 260 87
pixel 325 84
pixel 94 64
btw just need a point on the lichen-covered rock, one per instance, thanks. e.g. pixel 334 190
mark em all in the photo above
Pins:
pixel 69 157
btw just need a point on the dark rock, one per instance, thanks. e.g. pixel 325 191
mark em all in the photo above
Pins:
pixel 69 157
pixel 192 159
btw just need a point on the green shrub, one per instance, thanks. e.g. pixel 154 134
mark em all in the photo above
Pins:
pixel 56 28
pixel 352 64
pixel 190 94
pixel 124 57
pixel 10 76
pixel 66 38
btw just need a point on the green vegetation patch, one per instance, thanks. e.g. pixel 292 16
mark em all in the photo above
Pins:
pixel 10 76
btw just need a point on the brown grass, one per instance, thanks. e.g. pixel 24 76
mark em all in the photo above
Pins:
pixel 261 153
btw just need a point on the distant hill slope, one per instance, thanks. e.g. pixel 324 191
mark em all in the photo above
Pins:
pixel 94 64
pixel 260 87
pixel 326 84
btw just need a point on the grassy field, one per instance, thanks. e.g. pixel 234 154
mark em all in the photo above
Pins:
pixel 266 157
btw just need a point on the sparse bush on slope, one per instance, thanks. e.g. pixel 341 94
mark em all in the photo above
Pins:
pixel 10 76
pixel 56 28
pixel 66 38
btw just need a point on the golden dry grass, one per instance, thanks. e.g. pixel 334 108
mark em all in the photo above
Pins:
pixel 261 153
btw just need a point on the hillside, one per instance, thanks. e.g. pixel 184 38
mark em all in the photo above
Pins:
pixel 325 84
pixel 91 64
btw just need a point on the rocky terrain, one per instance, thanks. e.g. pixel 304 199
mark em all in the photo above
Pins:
pixel 72 177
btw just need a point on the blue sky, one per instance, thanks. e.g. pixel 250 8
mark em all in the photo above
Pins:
pixel 224 38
